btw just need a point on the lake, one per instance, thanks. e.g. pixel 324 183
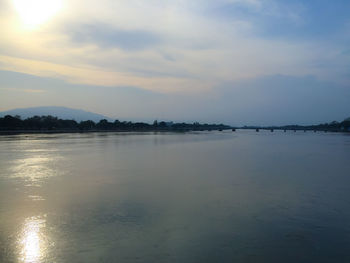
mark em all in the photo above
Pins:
pixel 175 197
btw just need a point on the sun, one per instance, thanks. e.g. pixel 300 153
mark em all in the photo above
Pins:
pixel 33 13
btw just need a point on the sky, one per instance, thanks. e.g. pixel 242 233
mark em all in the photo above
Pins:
pixel 253 62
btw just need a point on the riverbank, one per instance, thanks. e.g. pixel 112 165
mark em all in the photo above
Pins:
pixel 14 132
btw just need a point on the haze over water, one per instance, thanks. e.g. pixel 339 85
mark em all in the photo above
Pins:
pixel 166 197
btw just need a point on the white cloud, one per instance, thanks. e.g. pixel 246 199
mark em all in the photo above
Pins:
pixel 204 51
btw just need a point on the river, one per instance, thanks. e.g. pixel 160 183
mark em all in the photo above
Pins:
pixel 175 197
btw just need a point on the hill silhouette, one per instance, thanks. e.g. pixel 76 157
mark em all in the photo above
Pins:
pixel 59 112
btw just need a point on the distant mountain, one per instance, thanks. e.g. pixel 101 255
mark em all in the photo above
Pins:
pixel 348 119
pixel 60 112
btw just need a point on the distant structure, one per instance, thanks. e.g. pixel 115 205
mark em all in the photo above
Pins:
pixel 334 126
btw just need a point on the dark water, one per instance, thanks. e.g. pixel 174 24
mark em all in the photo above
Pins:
pixel 197 197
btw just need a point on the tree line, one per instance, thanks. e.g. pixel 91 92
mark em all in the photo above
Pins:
pixel 333 126
pixel 51 123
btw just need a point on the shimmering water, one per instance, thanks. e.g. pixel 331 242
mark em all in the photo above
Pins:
pixel 195 197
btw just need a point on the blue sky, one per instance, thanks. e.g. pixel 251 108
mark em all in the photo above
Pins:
pixel 233 61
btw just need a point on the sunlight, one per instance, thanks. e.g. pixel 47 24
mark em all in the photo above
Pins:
pixel 31 242
pixel 33 13
pixel 34 170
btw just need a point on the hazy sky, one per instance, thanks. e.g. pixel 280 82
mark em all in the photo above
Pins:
pixel 233 61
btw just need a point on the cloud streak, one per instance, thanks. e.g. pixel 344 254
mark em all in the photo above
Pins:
pixel 106 36
pixel 24 90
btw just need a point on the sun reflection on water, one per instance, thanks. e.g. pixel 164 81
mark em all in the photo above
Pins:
pixel 32 242
pixel 35 169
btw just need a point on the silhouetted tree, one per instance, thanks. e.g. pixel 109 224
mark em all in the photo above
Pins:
pixel 86 125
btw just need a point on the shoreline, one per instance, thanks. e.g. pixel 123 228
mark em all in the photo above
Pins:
pixel 17 132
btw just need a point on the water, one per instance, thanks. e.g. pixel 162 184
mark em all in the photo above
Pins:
pixel 195 197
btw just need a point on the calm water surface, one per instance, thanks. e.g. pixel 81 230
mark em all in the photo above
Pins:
pixel 195 197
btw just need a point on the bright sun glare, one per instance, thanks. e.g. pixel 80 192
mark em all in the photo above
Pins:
pixel 33 13
pixel 33 245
